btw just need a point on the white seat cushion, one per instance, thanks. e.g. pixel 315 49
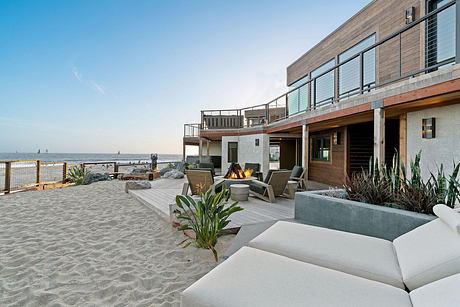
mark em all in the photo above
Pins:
pixel 443 292
pixel 449 216
pixel 253 277
pixel 355 254
pixel 428 253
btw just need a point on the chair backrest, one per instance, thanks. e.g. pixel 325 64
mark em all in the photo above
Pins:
pixel 278 180
pixel 199 180
pixel 432 251
pixel 254 166
pixel 297 171
pixel 207 166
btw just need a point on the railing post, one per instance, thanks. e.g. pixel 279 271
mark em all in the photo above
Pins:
pixel 267 113
pixel 64 172
pixel 39 170
pixel 314 93
pixel 361 73
pixel 8 177
pixel 115 169
pixel 457 32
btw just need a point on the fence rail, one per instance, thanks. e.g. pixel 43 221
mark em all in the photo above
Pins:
pixel 356 72
pixel 23 174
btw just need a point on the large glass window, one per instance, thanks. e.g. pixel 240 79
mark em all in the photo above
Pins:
pixel 298 99
pixel 440 33
pixel 321 148
pixel 350 74
pixel 323 92
pixel 232 152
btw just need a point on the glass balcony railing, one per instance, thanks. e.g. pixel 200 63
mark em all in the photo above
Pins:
pixel 362 68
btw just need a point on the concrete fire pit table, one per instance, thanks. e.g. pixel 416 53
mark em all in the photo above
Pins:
pixel 240 191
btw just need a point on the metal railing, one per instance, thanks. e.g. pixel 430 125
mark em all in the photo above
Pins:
pixel 399 65
pixel 192 130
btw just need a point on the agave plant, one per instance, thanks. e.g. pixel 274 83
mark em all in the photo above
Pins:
pixel 206 217
pixel 79 176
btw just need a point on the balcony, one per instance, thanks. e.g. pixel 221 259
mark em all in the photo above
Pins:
pixel 421 47
pixel 192 130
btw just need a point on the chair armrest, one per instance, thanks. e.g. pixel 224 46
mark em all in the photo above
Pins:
pixel 295 178
pixel 263 184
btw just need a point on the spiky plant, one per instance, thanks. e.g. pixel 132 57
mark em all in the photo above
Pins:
pixel 206 217
pixel 79 176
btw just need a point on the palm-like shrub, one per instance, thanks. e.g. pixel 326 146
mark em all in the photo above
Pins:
pixel 79 176
pixel 206 217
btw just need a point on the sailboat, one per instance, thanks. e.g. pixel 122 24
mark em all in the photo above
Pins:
pixel 46 150
pixel 38 152
pixel 118 152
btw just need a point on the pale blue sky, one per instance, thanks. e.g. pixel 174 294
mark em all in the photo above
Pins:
pixel 103 76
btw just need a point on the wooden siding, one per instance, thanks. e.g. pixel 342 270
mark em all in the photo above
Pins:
pixel 329 172
pixel 382 17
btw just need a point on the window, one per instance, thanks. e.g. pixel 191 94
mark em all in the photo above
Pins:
pixel 349 73
pixel 298 99
pixel 232 152
pixel 323 92
pixel 440 33
pixel 321 148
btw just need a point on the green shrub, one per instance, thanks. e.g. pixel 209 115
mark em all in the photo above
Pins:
pixel 207 217
pixel 79 176
pixel 170 165
pixel 391 186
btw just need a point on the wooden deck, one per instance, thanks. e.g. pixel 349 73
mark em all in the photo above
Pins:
pixel 164 191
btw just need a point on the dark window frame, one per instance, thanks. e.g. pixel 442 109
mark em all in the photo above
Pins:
pixel 321 148
pixel 229 156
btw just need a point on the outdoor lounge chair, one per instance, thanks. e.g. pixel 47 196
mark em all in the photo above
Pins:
pixel 298 174
pixel 274 185
pixel 256 170
pixel 301 265
pixel 200 180
pixel 207 166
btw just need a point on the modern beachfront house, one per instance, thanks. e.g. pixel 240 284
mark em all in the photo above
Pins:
pixel 387 80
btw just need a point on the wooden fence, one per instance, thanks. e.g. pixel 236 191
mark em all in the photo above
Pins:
pixel 24 174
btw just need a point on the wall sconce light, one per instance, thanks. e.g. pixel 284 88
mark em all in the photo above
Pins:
pixel 257 142
pixel 428 128
pixel 336 138
pixel 410 15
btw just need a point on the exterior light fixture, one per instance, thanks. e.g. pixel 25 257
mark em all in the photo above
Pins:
pixel 336 138
pixel 428 128
pixel 257 142
pixel 410 15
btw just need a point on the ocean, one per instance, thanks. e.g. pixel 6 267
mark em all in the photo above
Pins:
pixel 87 157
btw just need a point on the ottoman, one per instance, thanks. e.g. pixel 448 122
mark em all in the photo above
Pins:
pixel 239 191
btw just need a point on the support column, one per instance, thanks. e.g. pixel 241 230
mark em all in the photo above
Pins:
pixel 208 158
pixel 200 150
pixel 403 139
pixel 183 151
pixel 379 135
pixel 305 146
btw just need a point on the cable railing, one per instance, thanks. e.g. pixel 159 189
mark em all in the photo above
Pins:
pixel 421 46
pixel 192 130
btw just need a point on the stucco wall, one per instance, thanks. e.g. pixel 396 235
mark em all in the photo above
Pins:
pixel 444 148
pixel 247 150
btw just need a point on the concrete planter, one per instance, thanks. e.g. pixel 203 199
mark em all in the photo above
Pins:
pixel 317 209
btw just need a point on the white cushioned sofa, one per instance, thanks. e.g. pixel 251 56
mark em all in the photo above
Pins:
pixel 293 264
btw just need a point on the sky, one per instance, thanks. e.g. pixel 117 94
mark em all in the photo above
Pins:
pixel 108 76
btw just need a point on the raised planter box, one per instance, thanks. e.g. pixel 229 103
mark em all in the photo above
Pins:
pixel 317 209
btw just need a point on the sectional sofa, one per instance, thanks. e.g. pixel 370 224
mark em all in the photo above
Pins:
pixel 300 265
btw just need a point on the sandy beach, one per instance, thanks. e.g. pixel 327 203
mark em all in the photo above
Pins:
pixel 92 245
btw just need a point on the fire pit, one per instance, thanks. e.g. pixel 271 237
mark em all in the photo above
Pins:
pixel 236 172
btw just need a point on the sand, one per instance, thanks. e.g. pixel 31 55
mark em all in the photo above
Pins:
pixel 92 245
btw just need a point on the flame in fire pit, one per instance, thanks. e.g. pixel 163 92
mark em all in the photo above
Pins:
pixel 236 172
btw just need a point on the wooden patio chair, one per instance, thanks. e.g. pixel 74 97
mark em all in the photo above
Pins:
pixel 274 185
pixel 200 181
pixel 299 174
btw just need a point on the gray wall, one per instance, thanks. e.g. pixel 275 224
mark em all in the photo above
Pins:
pixel 247 151
pixel 444 148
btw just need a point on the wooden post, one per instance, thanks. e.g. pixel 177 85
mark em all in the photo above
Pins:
pixel 208 158
pixel 39 171
pixel 115 169
pixel 305 148
pixel 403 139
pixel 379 135
pixel 64 172
pixel 8 177
pixel 183 151
pixel 83 167
pixel 200 150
